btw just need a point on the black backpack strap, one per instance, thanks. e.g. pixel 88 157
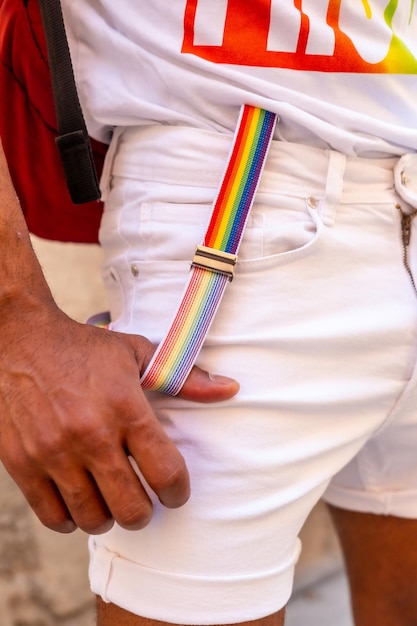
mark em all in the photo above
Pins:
pixel 73 141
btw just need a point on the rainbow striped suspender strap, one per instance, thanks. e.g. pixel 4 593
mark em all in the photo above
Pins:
pixel 213 264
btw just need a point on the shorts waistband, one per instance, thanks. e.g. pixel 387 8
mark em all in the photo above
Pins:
pixel 197 157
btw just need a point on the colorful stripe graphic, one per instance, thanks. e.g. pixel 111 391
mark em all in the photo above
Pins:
pixel 177 352
pixel 346 36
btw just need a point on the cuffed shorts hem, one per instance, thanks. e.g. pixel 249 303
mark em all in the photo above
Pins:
pixel 188 599
pixel 398 504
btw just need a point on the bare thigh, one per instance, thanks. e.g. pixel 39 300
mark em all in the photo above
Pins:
pixel 112 615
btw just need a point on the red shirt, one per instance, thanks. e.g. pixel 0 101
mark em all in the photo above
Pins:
pixel 28 131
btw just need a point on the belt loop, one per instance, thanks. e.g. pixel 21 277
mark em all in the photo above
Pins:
pixel 334 185
pixel 107 173
pixel 405 180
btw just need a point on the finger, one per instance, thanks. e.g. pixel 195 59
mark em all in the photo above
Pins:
pixel 162 466
pixel 84 501
pixel 47 503
pixel 158 459
pixel 200 386
pixel 123 492
pixel 156 456
pixel 40 492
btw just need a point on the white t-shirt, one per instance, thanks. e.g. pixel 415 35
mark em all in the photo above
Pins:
pixel 340 73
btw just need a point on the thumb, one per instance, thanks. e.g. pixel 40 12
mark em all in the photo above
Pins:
pixel 200 386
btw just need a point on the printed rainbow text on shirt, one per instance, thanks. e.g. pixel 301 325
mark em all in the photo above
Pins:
pixel 362 36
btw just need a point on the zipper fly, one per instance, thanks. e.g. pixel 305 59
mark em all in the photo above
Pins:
pixel 406 221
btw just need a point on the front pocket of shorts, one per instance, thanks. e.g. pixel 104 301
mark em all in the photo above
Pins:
pixel 270 238
pixel 160 231
pixel 289 231
pixel 170 232
pixel 158 240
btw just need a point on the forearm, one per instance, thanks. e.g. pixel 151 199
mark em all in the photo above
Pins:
pixel 22 283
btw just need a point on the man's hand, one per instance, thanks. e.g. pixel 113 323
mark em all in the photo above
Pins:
pixel 72 410
pixel 71 406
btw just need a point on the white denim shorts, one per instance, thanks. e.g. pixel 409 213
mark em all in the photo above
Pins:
pixel 319 327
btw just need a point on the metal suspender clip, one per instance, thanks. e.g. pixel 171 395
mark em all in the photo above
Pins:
pixel 215 261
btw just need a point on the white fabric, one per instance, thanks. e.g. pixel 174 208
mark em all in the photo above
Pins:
pixel 342 73
pixel 320 328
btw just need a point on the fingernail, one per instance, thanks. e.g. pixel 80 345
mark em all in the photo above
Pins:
pixel 68 527
pixel 219 380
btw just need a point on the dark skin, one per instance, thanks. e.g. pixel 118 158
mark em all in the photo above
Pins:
pixel 380 552
pixel 71 406
pixel 111 615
